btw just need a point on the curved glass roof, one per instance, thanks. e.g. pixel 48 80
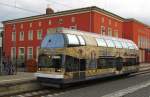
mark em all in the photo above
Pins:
pixel 53 41
pixel 72 39
pixel 79 38
pixel 101 42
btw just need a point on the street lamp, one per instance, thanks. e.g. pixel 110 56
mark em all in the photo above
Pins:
pixel 14 45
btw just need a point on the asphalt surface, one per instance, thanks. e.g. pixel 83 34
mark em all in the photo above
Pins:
pixel 100 88
pixel 145 92
pixel 106 86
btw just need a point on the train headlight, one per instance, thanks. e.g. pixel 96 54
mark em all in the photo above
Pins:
pixel 58 70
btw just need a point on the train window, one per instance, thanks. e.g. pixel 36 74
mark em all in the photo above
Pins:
pixel 110 43
pixel 118 44
pixel 72 64
pixel 134 45
pixel 101 42
pixel 82 41
pixel 72 39
pixel 105 63
pixel 44 61
pixel 130 45
pixel 124 44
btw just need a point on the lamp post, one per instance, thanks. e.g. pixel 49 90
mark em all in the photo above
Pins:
pixel 1 65
pixel 14 45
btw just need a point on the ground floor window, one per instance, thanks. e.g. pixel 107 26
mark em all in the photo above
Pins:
pixel 30 53
pixel 21 54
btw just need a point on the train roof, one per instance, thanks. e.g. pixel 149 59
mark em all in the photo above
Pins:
pixel 56 39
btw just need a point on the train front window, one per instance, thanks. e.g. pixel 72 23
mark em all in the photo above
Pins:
pixel 53 61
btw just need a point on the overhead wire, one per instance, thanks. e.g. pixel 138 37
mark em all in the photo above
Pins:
pixel 20 8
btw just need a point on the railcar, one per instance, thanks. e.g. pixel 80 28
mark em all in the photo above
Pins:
pixel 70 56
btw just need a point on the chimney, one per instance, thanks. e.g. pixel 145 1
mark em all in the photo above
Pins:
pixel 49 10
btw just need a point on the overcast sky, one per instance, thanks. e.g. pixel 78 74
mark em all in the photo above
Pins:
pixel 12 9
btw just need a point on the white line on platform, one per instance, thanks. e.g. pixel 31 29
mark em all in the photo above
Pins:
pixel 128 90
pixel 10 80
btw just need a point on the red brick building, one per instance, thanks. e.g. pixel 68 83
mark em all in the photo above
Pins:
pixel 140 34
pixel 22 37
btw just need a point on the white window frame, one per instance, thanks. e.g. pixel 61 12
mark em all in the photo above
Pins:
pixel 103 32
pixel 13 53
pixel 60 21
pixel 38 36
pixel 19 53
pixel 49 22
pixel 109 31
pixel 30 35
pixel 73 19
pixel 30 24
pixel 40 23
pixel 29 56
pixel 13 36
pixel 116 33
pixel 21 36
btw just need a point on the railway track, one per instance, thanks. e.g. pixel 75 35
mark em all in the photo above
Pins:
pixel 52 92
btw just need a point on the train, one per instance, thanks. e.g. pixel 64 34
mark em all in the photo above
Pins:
pixel 71 56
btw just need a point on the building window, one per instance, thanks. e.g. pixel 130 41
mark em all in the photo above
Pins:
pixel 72 19
pixel 60 21
pixel 13 53
pixel 21 26
pixel 30 25
pixel 116 24
pixel 109 31
pixel 13 36
pixel 102 30
pixel 49 31
pixel 109 22
pixel 37 52
pixel 49 22
pixel 73 27
pixel 30 35
pixel 21 36
pixel 115 33
pixel 102 20
pixel 30 52
pixel 21 54
pixel 40 24
pixel 39 34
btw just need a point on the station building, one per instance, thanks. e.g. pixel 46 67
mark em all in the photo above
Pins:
pixel 22 37
pixel 140 34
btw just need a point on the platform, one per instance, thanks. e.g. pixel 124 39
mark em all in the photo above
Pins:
pixel 21 82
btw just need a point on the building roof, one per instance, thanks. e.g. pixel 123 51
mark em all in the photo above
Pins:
pixel 135 20
pixel 92 8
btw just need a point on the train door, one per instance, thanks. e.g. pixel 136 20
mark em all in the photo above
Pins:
pixel 82 68
pixel 80 72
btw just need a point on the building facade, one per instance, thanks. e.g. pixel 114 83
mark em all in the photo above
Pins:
pixel 22 37
pixel 140 34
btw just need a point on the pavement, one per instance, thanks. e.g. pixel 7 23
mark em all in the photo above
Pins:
pixel 19 77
